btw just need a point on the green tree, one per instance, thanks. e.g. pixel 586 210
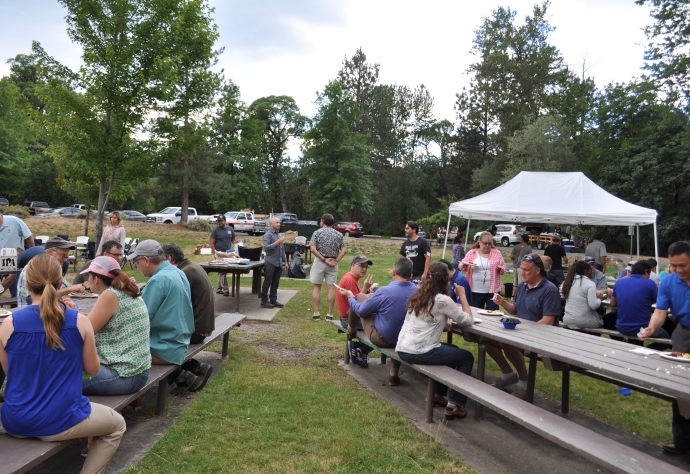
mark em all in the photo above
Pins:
pixel 182 125
pixel 336 159
pixel 270 125
pixel 127 67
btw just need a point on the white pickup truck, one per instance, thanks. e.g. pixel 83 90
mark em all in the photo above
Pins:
pixel 172 215
pixel 242 221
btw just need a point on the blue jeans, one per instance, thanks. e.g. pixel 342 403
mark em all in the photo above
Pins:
pixel 484 301
pixel 108 382
pixel 445 354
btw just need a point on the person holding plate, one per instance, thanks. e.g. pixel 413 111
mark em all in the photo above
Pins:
pixel 484 267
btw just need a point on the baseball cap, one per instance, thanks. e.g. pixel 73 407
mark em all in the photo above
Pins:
pixel 59 243
pixel 221 217
pixel 588 259
pixel 361 259
pixel 147 248
pixel 102 266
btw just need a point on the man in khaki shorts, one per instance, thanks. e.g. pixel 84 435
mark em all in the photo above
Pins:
pixel 328 247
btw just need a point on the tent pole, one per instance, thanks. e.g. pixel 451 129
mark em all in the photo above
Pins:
pixel 467 234
pixel 656 243
pixel 638 240
pixel 445 240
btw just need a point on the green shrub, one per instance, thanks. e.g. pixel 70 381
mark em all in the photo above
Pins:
pixel 198 225
pixel 15 210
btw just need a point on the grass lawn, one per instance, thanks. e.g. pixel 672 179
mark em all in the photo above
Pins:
pixel 280 404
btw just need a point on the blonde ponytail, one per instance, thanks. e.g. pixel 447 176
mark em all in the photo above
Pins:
pixel 44 277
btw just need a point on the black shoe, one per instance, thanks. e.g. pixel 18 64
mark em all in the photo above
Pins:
pixel 276 304
pixel 673 449
pixel 226 293
pixel 266 304
pixel 202 377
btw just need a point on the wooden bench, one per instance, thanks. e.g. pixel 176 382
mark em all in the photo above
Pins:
pixel 597 448
pixel 22 454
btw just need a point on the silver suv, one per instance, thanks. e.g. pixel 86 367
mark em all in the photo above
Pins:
pixel 506 234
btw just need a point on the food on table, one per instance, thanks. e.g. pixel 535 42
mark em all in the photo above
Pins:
pixel 683 355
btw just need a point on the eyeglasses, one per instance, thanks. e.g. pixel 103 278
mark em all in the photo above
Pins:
pixel 61 256
pixel 486 243
pixel 114 255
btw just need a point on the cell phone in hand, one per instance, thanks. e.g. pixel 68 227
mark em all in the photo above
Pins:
pixel 337 286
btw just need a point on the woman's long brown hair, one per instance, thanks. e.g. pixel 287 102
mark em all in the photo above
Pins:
pixel 422 301
pixel 44 277
pixel 120 282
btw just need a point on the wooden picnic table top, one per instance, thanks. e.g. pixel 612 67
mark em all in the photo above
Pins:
pixel 596 354
pixel 232 267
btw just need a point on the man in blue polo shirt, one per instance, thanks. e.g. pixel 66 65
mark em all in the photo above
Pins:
pixel 674 294
pixel 634 296
pixel 457 278
pixel 536 299
pixel 383 313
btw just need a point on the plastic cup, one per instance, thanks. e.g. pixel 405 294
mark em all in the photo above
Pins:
pixel 624 391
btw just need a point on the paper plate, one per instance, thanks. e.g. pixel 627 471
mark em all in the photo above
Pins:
pixel 486 312
pixel 675 359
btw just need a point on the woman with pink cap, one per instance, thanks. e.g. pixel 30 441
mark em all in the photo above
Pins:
pixel 121 323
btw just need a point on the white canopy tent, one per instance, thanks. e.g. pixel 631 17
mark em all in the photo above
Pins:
pixel 572 198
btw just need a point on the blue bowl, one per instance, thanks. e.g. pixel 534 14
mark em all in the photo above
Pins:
pixel 509 325
pixel 624 391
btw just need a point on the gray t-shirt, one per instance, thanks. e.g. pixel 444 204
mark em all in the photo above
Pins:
pixel 223 238
pixel 596 249
pixel 519 251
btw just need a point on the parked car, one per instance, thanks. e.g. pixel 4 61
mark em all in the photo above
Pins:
pixel 52 213
pixel 353 229
pixel 441 233
pixel 70 212
pixel 4 202
pixel 38 207
pixel 242 221
pixel 172 215
pixel 287 222
pixel 506 234
pixel 133 216
pixel 79 206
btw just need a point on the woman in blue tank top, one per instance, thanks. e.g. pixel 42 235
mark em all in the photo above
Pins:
pixel 45 346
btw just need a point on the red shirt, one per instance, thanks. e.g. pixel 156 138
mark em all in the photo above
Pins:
pixel 348 282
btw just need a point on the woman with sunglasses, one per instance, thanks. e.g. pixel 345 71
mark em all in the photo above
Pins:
pixel 121 323
pixel 484 267
pixel 45 400
pixel 581 301
pixel 428 312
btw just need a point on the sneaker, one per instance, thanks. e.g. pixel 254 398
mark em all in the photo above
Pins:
pixel 219 291
pixel 673 449
pixel 351 347
pixel 135 405
pixel 520 392
pixel 329 317
pixel 184 381
pixel 266 304
pixel 501 384
pixel 316 317
pixel 202 377
pixel 279 305
pixel 455 412
pixel 226 293
pixel 362 358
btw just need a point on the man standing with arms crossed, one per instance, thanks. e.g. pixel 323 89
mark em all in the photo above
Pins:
pixel 417 249
pixel 673 296
pixel 222 238
pixel 274 261
pixel 328 248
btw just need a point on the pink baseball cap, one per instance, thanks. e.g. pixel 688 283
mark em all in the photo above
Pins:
pixel 103 266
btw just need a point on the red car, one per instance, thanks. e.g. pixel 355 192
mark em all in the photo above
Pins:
pixel 349 229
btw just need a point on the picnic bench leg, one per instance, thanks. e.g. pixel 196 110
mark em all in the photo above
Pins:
pixel 383 359
pixel 430 394
pixel 256 281
pixel 565 391
pixel 347 349
pixel 531 376
pixel 236 286
pixel 233 287
pixel 162 392
pixel 481 367
pixel 450 337
pixel 226 339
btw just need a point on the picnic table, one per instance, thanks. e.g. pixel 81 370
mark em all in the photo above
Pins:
pixel 236 270
pixel 602 358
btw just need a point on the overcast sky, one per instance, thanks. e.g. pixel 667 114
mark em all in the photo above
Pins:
pixel 294 47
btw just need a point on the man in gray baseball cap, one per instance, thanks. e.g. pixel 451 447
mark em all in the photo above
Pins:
pixel 169 300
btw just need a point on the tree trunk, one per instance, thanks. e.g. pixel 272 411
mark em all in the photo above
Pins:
pixel 281 184
pixel 185 190
pixel 103 196
pixel 86 225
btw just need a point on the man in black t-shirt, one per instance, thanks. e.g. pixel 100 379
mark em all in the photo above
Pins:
pixel 418 250
pixel 222 239
pixel 558 257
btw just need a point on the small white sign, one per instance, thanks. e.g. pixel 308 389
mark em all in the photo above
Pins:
pixel 8 260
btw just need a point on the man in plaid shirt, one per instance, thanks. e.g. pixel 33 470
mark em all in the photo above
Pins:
pixel 328 247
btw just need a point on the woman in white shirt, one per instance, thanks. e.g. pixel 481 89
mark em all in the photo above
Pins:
pixel 428 312
pixel 581 301
pixel 114 231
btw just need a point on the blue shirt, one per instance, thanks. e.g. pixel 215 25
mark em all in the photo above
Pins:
pixel 13 232
pixel 461 280
pixel 535 303
pixel 634 295
pixel 275 254
pixel 25 257
pixel 43 393
pixel 169 302
pixel 389 304
pixel 673 295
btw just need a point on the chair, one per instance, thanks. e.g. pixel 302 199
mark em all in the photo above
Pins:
pixel 40 239
pixel 82 250
pixel 129 248
pixel 128 240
